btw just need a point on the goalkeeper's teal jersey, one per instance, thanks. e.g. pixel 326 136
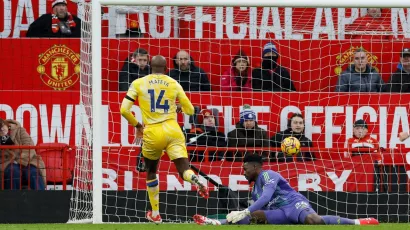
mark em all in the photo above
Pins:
pixel 271 191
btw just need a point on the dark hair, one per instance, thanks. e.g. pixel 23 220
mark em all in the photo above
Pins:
pixel 293 116
pixel 253 158
pixel 3 122
pixel 241 78
pixel 140 51
pixel 240 54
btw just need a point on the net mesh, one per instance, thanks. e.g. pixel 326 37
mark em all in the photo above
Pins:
pixel 81 203
pixel 314 48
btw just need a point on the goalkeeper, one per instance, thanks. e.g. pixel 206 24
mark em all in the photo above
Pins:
pixel 275 202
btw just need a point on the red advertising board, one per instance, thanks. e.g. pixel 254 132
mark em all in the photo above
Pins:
pixel 313 65
pixel 55 116
pixel 215 22
pixel 352 174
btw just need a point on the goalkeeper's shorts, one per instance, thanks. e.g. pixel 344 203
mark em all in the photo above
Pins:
pixel 166 136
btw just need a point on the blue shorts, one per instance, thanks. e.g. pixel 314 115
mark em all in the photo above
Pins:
pixel 297 211
pixel 276 216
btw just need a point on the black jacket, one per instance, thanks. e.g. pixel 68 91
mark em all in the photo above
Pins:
pixel 352 81
pixel 399 81
pixel 193 80
pixel 277 139
pixel 41 28
pixel 272 80
pixel 211 138
pixel 241 137
pixel 130 72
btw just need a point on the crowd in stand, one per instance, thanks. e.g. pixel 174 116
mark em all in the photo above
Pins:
pixel 25 168
pixel 270 76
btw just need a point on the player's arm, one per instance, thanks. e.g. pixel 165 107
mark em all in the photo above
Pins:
pixel 127 104
pixel 186 104
pixel 269 185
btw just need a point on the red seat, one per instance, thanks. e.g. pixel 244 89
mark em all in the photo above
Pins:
pixel 53 159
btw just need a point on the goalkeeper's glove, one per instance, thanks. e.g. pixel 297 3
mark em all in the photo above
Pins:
pixel 236 216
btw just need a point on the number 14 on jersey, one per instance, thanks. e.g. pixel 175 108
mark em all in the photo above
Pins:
pixel 156 102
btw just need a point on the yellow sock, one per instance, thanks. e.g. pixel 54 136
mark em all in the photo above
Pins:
pixel 190 176
pixel 153 194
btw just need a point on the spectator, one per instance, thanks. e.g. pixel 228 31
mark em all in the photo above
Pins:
pixel 136 68
pixel 271 76
pixel 190 77
pixel 239 76
pixel 400 80
pixel 247 132
pixel 20 167
pixel 205 133
pixel 361 139
pixel 360 77
pixel 376 25
pixel 296 128
pixel 60 23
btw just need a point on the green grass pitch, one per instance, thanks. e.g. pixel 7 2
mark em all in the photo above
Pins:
pixel 194 227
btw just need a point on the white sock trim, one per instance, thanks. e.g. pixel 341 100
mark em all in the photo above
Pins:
pixel 155 213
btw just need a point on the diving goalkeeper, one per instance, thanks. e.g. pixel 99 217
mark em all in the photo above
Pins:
pixel 275 202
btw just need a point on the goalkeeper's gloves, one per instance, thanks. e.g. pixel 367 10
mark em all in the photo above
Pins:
pixel 236 216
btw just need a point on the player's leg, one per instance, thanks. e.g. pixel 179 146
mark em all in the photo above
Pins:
pixel 301 212
pixel 182 165
pixel 152 150
pixel 276 216
pixel 314 218
pixel 152 189
pixel 176 150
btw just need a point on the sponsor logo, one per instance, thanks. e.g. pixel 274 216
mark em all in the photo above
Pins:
pixel 347 58
pixel 271 181
pixel 301 205
pixel 59 67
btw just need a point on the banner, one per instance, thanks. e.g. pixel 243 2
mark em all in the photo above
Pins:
pixel 54 116
pixel 57 116
pixel 350 175
pixel 53 64
pixel 216 22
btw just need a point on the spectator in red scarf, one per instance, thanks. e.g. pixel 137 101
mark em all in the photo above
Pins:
pixel 238 77
pixel 60 23
pixel 376 25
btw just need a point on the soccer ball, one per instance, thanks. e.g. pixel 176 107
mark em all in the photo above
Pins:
pixel 290 146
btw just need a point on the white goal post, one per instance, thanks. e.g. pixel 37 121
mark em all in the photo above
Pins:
pixel 96 57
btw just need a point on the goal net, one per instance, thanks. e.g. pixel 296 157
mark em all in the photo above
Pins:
pixel 255 69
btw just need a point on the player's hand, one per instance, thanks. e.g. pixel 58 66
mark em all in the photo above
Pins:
pixel 403 136
pixel 139 134
pixel 236 216
pixel 179 108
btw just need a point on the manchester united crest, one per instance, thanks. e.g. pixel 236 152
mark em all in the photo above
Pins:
pixel 347 57
pixel 59 67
